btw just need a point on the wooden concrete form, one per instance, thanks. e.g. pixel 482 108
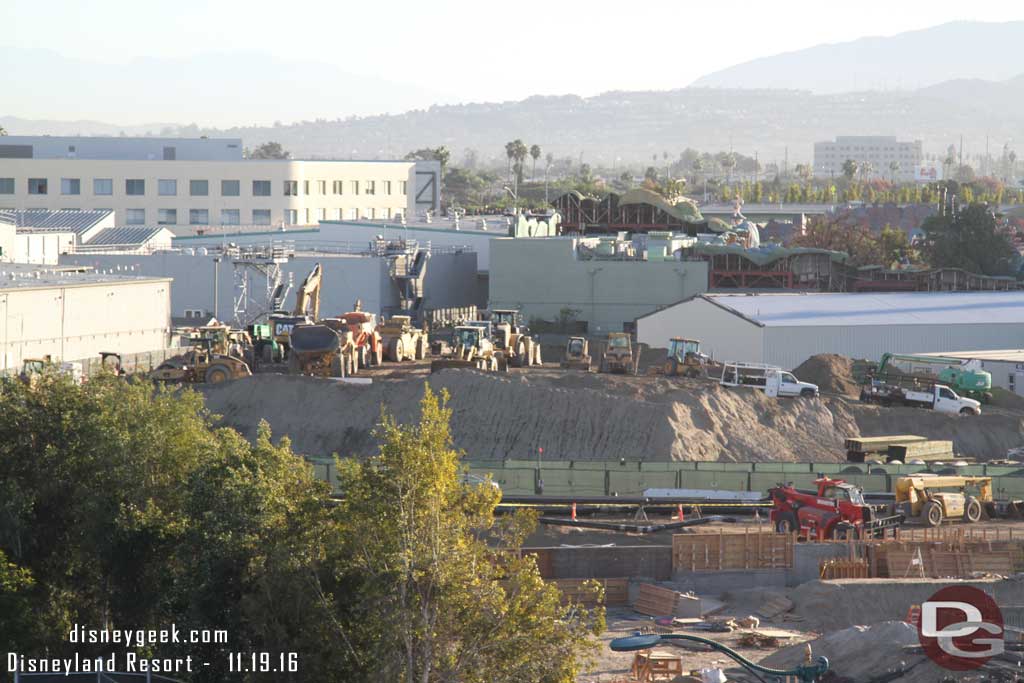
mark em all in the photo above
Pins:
pixel 655 601
pixel 616 591
pixel 722 551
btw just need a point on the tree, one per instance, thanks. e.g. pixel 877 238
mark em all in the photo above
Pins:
pixel 436 603
pixel 3 131
pixel 968 239
pixel 651 174
pixel 535 153
pixel 270 150
pixel 894 168
pixel 850 168
pixel 516 151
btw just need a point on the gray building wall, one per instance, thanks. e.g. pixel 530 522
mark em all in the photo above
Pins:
pixel 541 276
pixel 723 335
pixel 450 281
pixel 76 147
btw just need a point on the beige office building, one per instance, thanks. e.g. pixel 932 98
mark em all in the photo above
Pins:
pixel 207 190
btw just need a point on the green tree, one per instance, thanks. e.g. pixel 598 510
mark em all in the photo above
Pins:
pixel 436 602
pixel 3 131
pixel 535 153
pixel 968 239
pixel 270 150
pixel 850 168
pixel 894 168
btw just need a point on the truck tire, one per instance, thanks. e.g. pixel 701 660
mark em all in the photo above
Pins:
pixel 807 393
pixel 786 523
pixel 421 348
pixel 293 365
pixel 215 374
pixel 972 510
pixel 378 355
pixel 336 369
pixel 967 411
pixel 267 355
pixel 519 357
pixel 932 513
pixel 537 360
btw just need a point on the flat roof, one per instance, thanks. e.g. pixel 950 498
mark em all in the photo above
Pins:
pixel 1004 355
pixel 21 276
pixel 898 308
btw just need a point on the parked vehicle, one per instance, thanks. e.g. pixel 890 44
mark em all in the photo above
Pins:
pixel 933 499
pixel 512 337
pixel 917 393
pixel 684 358
pixel 33 368
pixel 577 354
pixel 966 377
pixel 618 354
pixel 771 379
pixel 470 347
pixel 368 343
pixel 401 340
pixel 836 510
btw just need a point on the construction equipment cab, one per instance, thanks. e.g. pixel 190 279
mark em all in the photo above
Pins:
pixel 471 347
pixel 835 510
pixel 512 337
pixel 577 354
pixel 618 353
pixel 771 379
pixel 684 358
pixel 931 499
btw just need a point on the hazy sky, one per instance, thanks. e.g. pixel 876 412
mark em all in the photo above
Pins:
pixel 476 50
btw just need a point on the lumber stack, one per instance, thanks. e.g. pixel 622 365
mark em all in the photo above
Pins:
pixel 656 601
pixel 858 448
pixel 920 450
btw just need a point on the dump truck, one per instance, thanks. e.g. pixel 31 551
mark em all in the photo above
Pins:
pixel 927 499
pixel 965 377
pixel 577 354
pixel 471 347
pixel 317 350
pixel 513 338
pixel 835 510
pixel 201 364
pixel 918 393
pixel 401 340
pixel 618 354
pixel 771 379
pixel 367 340
pixel 684 358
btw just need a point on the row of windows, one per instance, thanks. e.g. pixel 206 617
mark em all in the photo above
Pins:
pixel 200 188
pixel 259 216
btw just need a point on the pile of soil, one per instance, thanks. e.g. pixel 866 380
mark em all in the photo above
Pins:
pixel 832 373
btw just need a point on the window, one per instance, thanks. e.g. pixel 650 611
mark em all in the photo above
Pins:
pixel 387 186
pixel 102 186
pixel 167 188
pixel 338 186
pixel 199 216
pixel 70 186
pixel 261 216
pixel 946 393
pixel 135 217
pixel 355 187
pixel 321 214
pixel 339 213
pixel 305 187
pixel 135 186
pixel 167 216
pixel 230 216
pixel 368 213
pixel 353 214
pixel 321 187
pixel 6 185
pixel 261 188
pixel 199 188
pixel 230 188
pixel 402 186
pixel 307 221
pixel 371 187
pixel 398 214
pixel 37 185
pixel 291 188
pixel 291 217
pixel 170 153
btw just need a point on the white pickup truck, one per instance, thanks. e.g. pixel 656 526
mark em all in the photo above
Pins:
pixel 934 397
pixel 771 379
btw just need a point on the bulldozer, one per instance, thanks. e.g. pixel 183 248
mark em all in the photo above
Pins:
pixel 471 347
pixel 922 498
pixel 684 358
pixel 201 364
pixel 618 354
pixel 512 337
pixel 401 340
pixel 577 354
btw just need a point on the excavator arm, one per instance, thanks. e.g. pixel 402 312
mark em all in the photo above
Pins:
pixel 307 297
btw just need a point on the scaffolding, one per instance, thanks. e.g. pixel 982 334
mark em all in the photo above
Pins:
pixel 260 287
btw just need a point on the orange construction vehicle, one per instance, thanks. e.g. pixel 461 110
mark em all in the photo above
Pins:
pixel 369 347
pixel 836 510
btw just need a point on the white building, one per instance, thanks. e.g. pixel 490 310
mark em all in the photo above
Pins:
pixel 876 153
pixel 1005 365
pixel 189 185
pixel 74 315
pixel 787 329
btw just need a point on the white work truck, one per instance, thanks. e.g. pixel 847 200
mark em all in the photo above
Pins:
pixel 771 379
pixel 919 394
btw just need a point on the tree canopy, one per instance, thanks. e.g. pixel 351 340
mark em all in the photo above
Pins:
pixel 270 150
pixel 968 239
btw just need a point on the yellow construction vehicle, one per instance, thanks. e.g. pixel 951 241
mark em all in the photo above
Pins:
pixel 305 311
pixel 34 368
pixel 471 347
pixel 684 358
pixel 933 499
pixel 401 340
pixel 111 362
pixel 320 351
pixel 513 338
pixel 577 354
pixel 618 354
pixel 201 363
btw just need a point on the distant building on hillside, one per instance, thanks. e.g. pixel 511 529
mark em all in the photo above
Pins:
pixel 876 153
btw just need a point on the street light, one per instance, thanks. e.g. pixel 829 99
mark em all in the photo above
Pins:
pixel 515 198
pixel 807 673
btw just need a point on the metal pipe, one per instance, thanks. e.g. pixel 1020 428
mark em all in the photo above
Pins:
pixel 630 528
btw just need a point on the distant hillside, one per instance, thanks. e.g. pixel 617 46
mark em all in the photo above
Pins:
pixel 906 61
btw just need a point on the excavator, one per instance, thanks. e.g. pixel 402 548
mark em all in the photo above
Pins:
pixel 306 310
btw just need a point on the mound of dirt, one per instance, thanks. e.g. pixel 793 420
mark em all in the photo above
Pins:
pixel 575 416
pixel 832 373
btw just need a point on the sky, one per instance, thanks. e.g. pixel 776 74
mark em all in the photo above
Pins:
pixel 472 50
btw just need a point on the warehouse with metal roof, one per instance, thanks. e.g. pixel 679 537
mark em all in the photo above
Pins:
pixel 787 329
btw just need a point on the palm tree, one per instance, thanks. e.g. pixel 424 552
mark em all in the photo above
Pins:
pixel 894 168
pixel 850 168
pixel 520 151
pixel 510 152
pixel 535 153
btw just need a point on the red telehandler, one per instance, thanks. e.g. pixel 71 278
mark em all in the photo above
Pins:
pixel 837 510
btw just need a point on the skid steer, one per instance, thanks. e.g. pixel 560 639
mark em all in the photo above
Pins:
pixel 577 354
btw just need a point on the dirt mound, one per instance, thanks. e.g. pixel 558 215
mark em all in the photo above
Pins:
pixel 575 416
pixel 1001 398
pixel 832 373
